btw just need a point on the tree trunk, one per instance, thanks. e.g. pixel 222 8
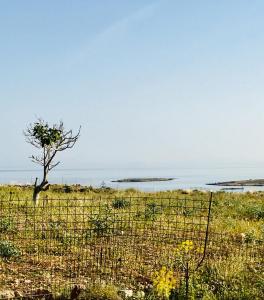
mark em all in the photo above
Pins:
pixel 38 188
pixel 36 193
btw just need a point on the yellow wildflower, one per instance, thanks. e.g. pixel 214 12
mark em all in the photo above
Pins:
pixel 185 247
pixel 164 281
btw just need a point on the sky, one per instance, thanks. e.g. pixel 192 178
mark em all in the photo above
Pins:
pixel 151 82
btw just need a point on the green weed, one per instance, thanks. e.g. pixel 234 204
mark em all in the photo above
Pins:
pixel 8 250
pixel 121 203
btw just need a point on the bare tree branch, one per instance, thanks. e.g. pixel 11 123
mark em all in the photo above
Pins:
pixel 51 140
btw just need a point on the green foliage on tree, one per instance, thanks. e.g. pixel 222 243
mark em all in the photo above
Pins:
pixel 49 140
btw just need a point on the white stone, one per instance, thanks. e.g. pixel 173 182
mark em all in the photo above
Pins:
pixel 127 293
pixel 28 281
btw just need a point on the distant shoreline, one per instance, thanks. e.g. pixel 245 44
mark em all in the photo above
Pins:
pixel 240 183
pixel 142 179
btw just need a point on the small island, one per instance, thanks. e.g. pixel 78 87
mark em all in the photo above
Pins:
pixel 240 183
pixel 142 179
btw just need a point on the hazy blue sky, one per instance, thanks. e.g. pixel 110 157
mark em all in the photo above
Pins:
pixel 151 82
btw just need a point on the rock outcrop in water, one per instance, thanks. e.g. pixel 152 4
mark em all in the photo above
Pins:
pixel 249 182
pixel 142 179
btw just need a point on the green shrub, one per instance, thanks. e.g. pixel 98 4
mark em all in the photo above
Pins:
pixel 6 225
pixel 258 212
pixel 254 212
pixel 8 250
pixel 100 292
pixel 187 212
pixel 102 223
pixel 152 210
pixel 121 203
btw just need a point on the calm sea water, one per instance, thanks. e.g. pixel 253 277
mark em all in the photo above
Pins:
pixel 185 178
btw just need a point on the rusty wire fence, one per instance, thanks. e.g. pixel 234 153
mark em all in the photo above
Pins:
pixel 60 243
pixel 120 240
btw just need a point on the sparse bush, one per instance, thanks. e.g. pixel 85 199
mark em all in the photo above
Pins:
pixel 68 189
pixel 121 203
pixel 152 210
pixel 57 230
pixel 6 225
pixel 8 250
pixel 250 237
pixel 102 224
pixel 100 292
pixel 256 212
pixel 187 212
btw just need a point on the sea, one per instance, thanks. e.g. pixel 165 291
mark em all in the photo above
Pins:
pixel 183 178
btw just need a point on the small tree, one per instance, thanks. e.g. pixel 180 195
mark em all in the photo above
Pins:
pixel 51 140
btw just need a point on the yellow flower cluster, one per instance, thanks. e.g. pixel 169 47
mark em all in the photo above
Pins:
pixel 185 247
pixel 164 282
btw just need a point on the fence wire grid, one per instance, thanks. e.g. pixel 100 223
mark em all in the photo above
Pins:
pixel 123 240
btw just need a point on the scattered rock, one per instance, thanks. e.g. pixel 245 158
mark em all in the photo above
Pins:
pixel 126 293
pixel 27 281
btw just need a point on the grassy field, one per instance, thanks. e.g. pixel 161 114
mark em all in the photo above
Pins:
pixel 86 243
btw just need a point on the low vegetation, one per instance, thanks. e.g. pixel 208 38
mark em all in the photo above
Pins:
pixel 99 243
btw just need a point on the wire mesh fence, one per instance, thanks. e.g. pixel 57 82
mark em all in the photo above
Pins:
pixel 60 243
pixel 113 239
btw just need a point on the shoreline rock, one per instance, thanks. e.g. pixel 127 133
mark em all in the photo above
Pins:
pixel 143 179
pixel 240 183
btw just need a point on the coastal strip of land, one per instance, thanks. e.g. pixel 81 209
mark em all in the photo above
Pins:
pixel 142 179
pixel 240 183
